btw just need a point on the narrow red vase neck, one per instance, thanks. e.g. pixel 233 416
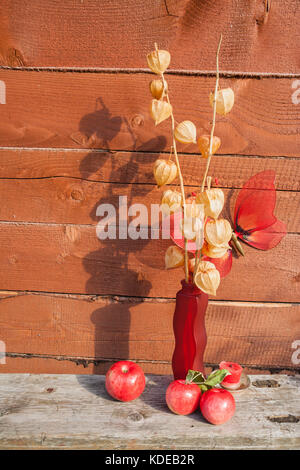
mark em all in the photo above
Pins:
pixel 190 288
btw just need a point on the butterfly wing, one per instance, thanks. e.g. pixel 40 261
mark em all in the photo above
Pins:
pixel 267 238
pixel 254 220
pixel 255 203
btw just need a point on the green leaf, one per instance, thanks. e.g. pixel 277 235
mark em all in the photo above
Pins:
pixel 216 377
pixel 194 376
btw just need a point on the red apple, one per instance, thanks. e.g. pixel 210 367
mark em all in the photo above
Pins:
pixel 125 381
pixel 217 405
pixel 183 398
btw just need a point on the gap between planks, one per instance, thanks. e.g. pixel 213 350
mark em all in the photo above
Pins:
pixel 6 294
pixel 85 361
pixel 141 152
pixel 180 72
pixel 120 183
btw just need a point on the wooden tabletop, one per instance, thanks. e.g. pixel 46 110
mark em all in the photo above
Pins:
pixel 75 412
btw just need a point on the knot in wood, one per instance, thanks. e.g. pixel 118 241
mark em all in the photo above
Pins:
pixel 135 417
pixel 13 259
pixel 75 193
pixel 137 120
pixel 269 383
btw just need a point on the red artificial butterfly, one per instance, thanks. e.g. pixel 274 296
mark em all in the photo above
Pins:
pixel 254 221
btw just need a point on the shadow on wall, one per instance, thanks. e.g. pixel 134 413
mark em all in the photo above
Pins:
pixel 109 269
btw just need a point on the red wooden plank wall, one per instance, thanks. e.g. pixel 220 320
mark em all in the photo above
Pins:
pixel 75 132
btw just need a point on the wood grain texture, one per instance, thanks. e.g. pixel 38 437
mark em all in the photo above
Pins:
pixel 75 412
pixel 71 259
pixel 72 201
pixel 137 167
pixel 71 141
pixel 253 40
pixel 111 111
pixel 102 330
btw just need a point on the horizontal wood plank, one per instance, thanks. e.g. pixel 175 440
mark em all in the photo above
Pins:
pixel 72 201
pixel 137 167
pixel 106 329
pixel 71 259
pixel 119 34
pixel 111 111
pixel 75 412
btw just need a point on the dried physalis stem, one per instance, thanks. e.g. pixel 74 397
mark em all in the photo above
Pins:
pixel 157 88
pixel 174 257
pixel 218 232
pixel 203 144
pixel 207 277
pixel 171 201
pixel 191 264
pixel 160 110
pixel 213 200
pixel 224 100
pixel 214 102
pixel 186 132
pixel 164 172
pixel 208 182
pixel 158 61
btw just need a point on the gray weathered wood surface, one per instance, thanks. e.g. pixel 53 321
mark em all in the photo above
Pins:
pixel 75 412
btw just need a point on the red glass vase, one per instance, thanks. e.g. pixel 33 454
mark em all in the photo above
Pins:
pixel 189 330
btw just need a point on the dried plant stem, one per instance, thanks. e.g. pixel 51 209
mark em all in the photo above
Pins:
pixel 198 253
pixel 214 118
pixel 186 259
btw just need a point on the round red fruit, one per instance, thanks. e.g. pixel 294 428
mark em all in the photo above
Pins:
pixel 125 381
pixel 183 398
pixel 217 406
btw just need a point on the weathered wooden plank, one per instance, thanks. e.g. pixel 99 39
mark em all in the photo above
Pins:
pixel 74 110
pixel 137 167
pixel 254 40
pixel 71 259
pixel 106 329
pixel 75 412
pixel 73 201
